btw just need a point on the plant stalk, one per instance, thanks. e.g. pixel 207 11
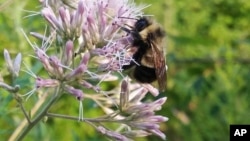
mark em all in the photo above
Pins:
pixel 18 135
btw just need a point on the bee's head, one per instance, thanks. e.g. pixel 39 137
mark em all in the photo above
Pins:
pixel 141 24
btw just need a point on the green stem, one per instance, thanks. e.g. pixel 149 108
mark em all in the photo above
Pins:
pixel 24 112
pixel 83 119
pixel 40 115
pixel 7 87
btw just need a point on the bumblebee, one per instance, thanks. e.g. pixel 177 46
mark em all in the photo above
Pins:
pixel 149 57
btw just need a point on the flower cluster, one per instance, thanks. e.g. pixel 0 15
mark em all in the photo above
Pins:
pixel 91 49
pixel 138 117
pixel 88 29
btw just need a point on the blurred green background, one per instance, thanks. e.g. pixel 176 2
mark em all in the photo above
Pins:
pixel 208 47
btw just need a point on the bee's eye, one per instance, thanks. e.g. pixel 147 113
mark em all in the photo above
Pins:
pixel 141 24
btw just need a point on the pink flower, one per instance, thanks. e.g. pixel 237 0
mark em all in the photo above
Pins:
pixel 92 46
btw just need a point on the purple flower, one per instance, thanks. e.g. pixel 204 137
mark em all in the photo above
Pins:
pixel 42 83
pixel 91 49
pixel 68 53
pixel 140 116
pixel 75 92
pixel 96 25
pixel 112 134
pixel 46 83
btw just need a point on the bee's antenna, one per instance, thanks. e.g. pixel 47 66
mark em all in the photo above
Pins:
pixel 124 28
pixel 129 26
pixel 129 18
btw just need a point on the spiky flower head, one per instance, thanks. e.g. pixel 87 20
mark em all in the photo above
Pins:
pixel 91 49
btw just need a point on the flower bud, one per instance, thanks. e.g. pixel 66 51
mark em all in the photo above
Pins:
pixel 17 64
pixel 85 58
pixel 124 95
pixel 76 72
pixel 13 66
pixel 57 66
pixel 8 61
pixel 68 53
pixel 111 134
pixel 75 92
pixel 46 82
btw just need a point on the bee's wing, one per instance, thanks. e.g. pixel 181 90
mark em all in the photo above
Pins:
pixel 160 66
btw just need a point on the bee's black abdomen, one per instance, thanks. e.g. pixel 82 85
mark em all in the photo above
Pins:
pixel 144 74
